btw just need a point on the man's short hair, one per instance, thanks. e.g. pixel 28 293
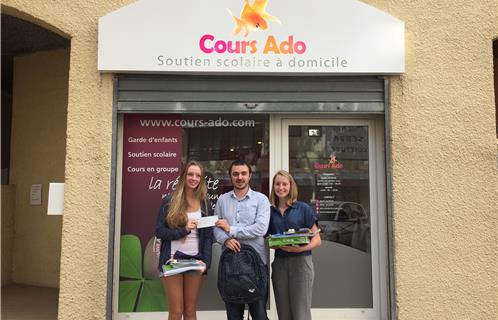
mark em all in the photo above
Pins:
pixel 239 162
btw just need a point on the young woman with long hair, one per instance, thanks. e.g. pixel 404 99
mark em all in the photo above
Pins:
pixel 177 228
pixel 292 268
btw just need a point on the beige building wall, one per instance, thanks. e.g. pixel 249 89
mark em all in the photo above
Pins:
pixel 37 157
pixel 444 162
pixel 85 230
pixel 443 151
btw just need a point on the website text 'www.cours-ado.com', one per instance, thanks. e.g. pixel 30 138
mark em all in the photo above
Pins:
pixel 197 123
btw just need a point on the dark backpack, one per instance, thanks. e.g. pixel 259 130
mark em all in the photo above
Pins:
pixel 242 276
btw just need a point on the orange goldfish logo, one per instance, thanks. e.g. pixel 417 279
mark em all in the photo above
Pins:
pixel 333 160
pixel 253 17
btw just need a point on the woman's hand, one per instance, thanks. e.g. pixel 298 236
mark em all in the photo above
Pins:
pixel 204 264
pixel 191 224
pixel 295 249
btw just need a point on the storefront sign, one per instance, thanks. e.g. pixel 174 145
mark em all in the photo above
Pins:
pixel 152 156
pixel 257 36
pixel 331 163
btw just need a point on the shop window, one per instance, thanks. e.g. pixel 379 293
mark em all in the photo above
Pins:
pixel 154 148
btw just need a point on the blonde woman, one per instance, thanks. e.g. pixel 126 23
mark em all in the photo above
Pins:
pixel 177 228
pixel 292 268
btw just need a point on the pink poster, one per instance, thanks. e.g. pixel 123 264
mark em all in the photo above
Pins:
pixel 152 154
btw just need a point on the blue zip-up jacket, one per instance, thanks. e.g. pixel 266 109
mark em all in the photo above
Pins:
pixel 166 234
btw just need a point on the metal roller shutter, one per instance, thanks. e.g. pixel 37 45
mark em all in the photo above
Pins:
pixel 232 94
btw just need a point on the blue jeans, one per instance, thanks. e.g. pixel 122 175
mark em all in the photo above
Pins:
pixel 235 311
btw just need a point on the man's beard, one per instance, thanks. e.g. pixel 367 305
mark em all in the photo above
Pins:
pixel 240 188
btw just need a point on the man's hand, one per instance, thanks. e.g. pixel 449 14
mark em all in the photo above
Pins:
pixel 233 245
pixel 223 224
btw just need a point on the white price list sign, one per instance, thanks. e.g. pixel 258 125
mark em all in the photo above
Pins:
pixel 35 195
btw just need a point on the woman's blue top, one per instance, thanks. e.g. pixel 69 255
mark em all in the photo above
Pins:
pixel 299 215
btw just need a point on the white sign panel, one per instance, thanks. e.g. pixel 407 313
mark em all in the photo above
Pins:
pixel 55 199
pixel 255 36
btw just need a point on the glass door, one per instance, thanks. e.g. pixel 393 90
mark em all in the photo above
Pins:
pixel 338 167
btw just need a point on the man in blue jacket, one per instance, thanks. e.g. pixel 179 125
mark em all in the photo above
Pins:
pixel 244 215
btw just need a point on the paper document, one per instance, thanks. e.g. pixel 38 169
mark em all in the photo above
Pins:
pixel 205 222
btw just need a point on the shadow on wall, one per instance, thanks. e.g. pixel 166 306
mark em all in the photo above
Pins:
pixel 34 117
pixel 8 201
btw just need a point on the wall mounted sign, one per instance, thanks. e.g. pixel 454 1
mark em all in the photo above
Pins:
pixel 55 204
pixel 152 156
pixel 35 195
pixel 255 36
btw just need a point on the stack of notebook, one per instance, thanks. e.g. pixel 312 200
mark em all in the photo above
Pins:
pixel 176 266
pixel 291 237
